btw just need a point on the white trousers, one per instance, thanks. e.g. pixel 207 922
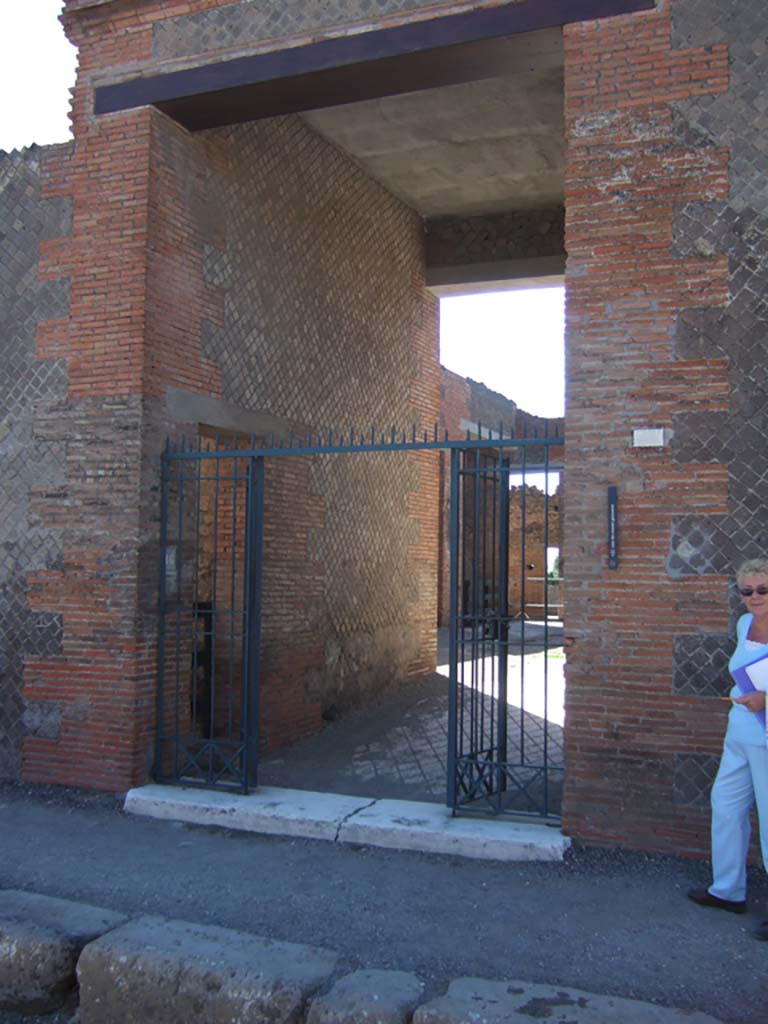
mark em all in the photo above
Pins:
pixel 742 781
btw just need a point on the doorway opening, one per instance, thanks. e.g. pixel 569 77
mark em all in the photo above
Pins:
pixel 222 500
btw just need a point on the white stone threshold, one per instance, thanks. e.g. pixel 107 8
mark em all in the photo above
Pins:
pixel 393 824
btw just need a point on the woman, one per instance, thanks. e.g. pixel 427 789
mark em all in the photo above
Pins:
pixel 742 778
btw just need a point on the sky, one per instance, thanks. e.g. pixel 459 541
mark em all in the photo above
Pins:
pixel 510 341
pixel 37 69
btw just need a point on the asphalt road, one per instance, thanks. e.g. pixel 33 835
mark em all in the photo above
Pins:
pixel 604 921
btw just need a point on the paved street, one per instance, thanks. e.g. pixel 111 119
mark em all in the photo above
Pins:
pixel 605 922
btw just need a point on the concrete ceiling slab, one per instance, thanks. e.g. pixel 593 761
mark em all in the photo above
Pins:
pixel 481 147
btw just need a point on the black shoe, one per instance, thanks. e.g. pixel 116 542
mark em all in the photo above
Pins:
pixel 704 898
pixel 761 932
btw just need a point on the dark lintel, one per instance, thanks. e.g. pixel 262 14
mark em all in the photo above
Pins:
pixel 425 54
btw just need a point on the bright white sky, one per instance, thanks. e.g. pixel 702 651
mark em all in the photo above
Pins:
pixel 510 341
pixel 37 69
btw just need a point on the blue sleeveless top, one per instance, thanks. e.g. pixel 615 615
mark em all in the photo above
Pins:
pixel 743 724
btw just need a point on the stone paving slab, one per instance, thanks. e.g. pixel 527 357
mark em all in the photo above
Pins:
pixel 430 828
pixel 267 811
pixel 41 939
pixel 392 824
pixel 519 1002
pixel 153 969
pixel 372 997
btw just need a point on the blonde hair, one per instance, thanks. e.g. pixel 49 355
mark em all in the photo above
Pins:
pixel 752 567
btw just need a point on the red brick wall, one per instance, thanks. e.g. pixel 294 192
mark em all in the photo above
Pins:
pixel 156 214
pixel 628 172
pixel 319 316
pixel 103 680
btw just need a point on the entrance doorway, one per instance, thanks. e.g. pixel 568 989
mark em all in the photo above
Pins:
pixel 500 755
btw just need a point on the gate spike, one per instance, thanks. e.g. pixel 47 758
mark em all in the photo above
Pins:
pixel 437 427
pixel 271 440
pixel 392 434
pixel 330 437
pixel 413 433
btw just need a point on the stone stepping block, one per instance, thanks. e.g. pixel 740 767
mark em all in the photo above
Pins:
pixel 369 997
pixel 518 1002
pixel 153 969
pixel 41 939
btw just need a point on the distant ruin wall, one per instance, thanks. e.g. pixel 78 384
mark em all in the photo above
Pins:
pixel 466 407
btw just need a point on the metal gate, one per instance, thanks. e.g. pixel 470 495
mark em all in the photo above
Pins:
pixel 212 514
pixel 501 757
pixel 505 750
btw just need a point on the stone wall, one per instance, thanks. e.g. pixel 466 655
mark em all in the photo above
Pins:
pixel 225 26
pixel 30 464
pixel 524 235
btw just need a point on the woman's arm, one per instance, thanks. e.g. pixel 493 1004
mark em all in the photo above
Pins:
pixel 754 701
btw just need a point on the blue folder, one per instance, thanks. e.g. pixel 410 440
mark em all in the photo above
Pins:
pixel 744 683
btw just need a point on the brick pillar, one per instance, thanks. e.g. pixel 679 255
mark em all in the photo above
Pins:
pixel 100 679
pixel 631 168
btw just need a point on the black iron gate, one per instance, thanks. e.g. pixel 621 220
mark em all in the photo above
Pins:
pixel 212 513
pixel 505 745
pixel 504 753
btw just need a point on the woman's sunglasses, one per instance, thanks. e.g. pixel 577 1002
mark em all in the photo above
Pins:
pixel 762 590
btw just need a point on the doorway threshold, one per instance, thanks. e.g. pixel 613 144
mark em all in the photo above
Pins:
pixel 354 820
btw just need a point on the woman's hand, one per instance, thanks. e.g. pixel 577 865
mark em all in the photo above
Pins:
pixel 752 701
